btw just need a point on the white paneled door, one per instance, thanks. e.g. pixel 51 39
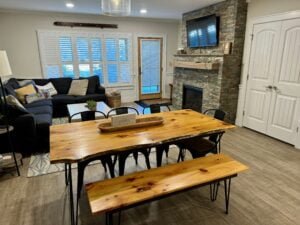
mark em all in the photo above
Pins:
pixel 273 89
pixel 261 74
pixel 285 101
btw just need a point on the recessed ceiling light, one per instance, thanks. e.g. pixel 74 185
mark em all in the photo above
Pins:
pixel 143 11
pixel 70 5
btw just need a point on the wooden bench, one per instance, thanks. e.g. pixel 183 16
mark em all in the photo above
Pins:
pixel 114 195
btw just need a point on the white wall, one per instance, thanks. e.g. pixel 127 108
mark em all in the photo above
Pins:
pixel 18 37
pixel 259 9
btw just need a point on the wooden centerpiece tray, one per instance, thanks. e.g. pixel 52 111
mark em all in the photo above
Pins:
pixel 140 122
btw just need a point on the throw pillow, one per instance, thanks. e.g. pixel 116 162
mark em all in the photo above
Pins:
pixel 22 92
pixel 49 88
pixel 12 101
pixel 78 87
pixel 34 97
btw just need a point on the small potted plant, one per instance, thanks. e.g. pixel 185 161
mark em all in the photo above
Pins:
pixel 91 105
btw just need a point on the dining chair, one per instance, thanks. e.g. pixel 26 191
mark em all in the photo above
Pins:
pixel 155 108
pixel 122 156
pixel 200 146
pixel 106 160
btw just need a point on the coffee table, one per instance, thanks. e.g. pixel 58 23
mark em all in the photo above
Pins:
pixel 81 107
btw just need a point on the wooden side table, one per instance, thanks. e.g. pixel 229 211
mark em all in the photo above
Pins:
pixel 9 158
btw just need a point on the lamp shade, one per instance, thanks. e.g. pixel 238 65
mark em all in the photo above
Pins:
pixel 5 69
pixel 116 7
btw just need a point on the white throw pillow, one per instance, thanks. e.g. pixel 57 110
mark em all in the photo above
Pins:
pixel 47 88
pixel 78 87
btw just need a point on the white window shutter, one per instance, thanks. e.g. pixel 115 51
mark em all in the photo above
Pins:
pixel 49 53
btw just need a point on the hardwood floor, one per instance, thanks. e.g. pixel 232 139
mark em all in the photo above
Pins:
pixel 269 193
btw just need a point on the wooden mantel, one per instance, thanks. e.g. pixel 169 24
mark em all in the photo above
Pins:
pixel 197 65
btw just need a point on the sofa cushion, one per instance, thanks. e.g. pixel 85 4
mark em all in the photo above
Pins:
pixel 63 99
pixel 43 102
pixel 40 110
pixel 43 121
pixel 78 87
pixel 93 84
pixel 62 85
pixel 95 97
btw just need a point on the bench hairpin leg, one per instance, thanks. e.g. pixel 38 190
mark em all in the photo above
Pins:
pixel 214 191
pixel 227 193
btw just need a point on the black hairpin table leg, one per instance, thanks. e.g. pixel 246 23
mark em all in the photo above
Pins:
pixel 71 194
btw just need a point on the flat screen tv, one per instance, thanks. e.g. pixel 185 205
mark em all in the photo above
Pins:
pixel 203 32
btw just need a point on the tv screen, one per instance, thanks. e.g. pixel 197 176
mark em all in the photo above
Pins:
pixel 203 32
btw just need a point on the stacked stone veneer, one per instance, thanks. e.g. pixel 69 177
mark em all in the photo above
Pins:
pixel 220 87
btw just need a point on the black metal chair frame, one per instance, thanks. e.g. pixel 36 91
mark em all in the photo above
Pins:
pixel 214 138
pixel 122 110
pixel 122 156
pixel 155 108
pixel 105 160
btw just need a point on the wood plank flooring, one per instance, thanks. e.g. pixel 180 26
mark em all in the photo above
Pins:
pixel 267 194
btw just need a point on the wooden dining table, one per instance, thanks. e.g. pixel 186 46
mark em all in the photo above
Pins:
pixel 77 142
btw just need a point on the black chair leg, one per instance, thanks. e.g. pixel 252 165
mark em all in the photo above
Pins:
pixel 181 155
pixel 122 159
pixel 167 151
pixel 159 155
pixel 214 191
pixel 104 164
pixel 146 153
pixel 66 175
pixel 135 156
pixel 110 165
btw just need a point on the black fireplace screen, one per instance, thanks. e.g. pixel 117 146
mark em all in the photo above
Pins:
pixel 192 98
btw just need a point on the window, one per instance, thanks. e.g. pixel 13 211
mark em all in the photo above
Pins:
pixel 77 54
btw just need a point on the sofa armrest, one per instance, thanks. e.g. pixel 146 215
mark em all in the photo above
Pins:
pixel 100 90
pixel 25 132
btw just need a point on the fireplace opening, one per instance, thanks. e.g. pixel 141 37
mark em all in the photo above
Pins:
pixel 192 98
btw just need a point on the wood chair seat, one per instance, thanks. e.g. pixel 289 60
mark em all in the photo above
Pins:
pixel 127 191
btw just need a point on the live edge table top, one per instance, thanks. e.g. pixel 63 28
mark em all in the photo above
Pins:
pixel 74 142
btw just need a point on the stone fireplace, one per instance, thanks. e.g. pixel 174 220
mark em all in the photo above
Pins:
pixel 218 74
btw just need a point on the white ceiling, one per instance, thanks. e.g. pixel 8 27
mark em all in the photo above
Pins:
pixel 167 9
